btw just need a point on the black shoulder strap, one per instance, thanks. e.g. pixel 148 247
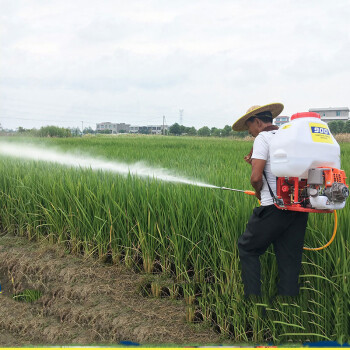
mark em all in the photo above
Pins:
pixel 276 200
pixel 271 192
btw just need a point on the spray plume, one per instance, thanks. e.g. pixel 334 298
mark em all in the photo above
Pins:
pixel 29 152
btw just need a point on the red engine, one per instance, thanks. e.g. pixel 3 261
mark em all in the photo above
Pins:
pixel 324 190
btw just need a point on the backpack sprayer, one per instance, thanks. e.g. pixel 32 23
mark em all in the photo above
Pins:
pixel 305 158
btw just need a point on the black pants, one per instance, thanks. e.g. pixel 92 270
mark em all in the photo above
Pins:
pixel 285 229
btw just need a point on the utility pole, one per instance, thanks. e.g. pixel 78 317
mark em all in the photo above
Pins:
pixel 181 114
pixel 82 126
pixel 163 124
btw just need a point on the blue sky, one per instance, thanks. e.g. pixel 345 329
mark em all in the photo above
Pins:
pixel 63 62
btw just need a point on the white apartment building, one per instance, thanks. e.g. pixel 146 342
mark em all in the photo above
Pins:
pixel 152 129
pixel 280 120
pixel 332 113
pixel 116 128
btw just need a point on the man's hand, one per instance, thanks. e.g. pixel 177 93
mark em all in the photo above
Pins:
pixel 248 157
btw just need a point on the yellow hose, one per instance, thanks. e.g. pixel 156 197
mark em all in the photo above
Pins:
pixel 333 236
pixel 334 229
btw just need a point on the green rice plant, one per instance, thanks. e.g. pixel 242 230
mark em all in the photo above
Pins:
pixel 186 232
pixel 27 295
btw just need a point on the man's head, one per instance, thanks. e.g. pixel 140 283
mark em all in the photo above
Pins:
pixel 258 122
pixel 257 118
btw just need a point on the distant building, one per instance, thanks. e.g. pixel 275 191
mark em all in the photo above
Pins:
pixel 151 129
pixel 116 128
pixel 280 120
pixel 157 129
pixel 332 114
pixel 134 129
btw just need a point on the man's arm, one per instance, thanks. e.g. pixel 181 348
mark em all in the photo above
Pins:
pixel 256 178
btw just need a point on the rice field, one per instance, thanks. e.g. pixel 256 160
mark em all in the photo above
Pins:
pixel 179 231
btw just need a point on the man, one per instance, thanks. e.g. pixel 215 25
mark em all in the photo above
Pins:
pixel 268 225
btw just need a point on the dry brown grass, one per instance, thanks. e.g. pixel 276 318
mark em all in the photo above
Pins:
pixel 246 138
pixel 83 302
pixel 342 137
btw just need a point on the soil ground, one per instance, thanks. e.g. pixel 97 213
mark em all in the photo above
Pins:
pixel 84 302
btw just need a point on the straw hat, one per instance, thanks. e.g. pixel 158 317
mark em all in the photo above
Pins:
pixel 274 108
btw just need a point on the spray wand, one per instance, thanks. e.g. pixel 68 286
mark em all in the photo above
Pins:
pixel 250 193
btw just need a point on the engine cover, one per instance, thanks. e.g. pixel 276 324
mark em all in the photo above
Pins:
pixel 323 203
pixel 337 193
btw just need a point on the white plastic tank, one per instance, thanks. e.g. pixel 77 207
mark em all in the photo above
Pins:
pixel 303 143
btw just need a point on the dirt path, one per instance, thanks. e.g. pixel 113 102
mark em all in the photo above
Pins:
pixel 83 302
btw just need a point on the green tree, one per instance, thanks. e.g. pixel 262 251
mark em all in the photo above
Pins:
pixel 216 132
pixel 88 130
pixel 346 128
pixel 184 130
pixel 21 130
pixel 227 131
pixel 192 131
pixel 240 134
pixel 336 126
pixel 341 125
pixel 204 131
pixel 333 127
pixel 175 129
pixel 53 131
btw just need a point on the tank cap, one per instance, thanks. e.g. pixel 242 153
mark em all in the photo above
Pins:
pixel 305 115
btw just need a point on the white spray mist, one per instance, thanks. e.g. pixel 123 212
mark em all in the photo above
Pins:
pixel 30 152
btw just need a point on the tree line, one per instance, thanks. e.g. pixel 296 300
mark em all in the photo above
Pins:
pixel 226 131
pixel 339 127
pixel 55 131
pixel 336 127
pixel 46 131
pixel 175 129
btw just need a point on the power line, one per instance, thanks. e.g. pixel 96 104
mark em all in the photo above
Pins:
pixel 58 113
pixel 55 107
pixel 26 111
pixel 145 121
pixel 40 120
pixel 22 110
pixel 19 105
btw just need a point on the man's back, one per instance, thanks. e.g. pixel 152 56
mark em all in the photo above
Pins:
pixel 261 151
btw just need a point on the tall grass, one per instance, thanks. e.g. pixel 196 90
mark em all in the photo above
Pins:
pixel 185 232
